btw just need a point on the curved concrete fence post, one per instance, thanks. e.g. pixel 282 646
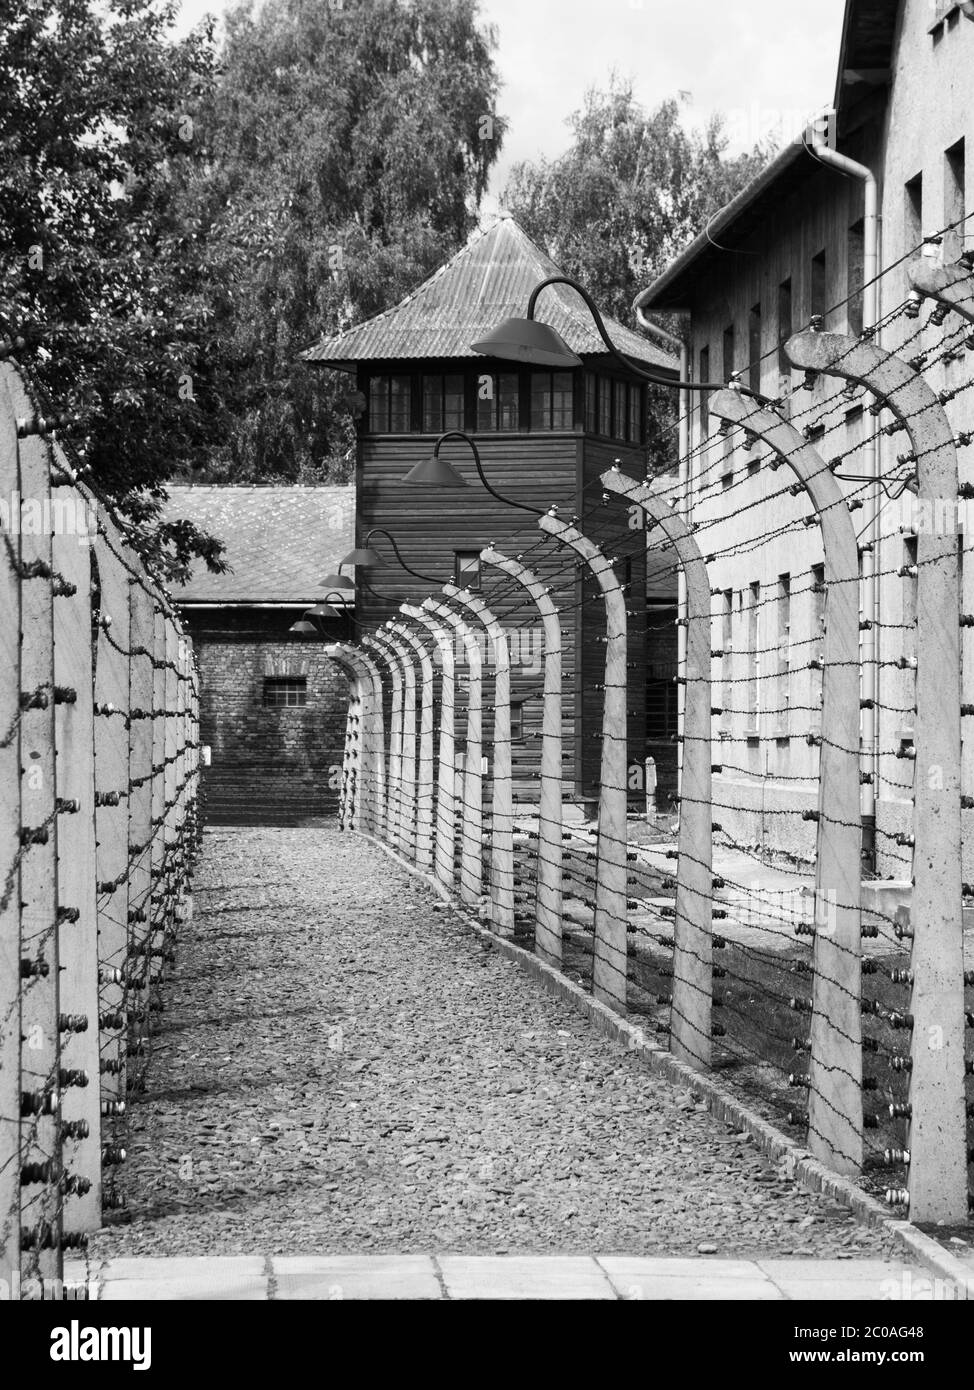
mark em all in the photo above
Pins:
pixel 403 652
pixel 548 900
pixel 502 797
pixel 353 752
pixel 692 994
pixel 609 965
pixel 445 838
pixel 386 658
pixel 472 825
pixel 952 286
pixel 835 1114
pixel 424 749
pixel 364 678
pixel 936 1136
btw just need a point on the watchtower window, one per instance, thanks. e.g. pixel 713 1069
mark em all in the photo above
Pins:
pixel 552 406
pixel 466 569
pixel 442 402
pixel 285 692
pixel 497 401
pixel 390 403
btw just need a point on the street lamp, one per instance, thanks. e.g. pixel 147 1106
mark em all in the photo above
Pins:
pixel 304 627
pixel 528 340
pixel 437 472
pixel 366 557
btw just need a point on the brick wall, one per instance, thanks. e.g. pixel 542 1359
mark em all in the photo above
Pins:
pixel 269 766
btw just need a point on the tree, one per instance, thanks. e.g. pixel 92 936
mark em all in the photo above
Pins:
pixel 96 272
pixel 350 145
pixel 632 190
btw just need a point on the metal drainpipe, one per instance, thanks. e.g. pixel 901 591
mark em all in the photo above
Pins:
pixel 870 559
pixel 684 505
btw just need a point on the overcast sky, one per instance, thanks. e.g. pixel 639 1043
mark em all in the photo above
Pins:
pixel 761 62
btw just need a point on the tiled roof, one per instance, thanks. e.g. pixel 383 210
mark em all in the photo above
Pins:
pixel 488 280
pixel 280 541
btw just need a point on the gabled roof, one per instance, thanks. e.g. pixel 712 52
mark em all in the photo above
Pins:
pixel 868 33
pixel 488 280
pixel 280 541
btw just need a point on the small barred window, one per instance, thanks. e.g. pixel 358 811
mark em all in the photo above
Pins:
pixel 285 692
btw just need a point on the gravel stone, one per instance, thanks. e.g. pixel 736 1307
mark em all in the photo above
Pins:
pixel 343 1068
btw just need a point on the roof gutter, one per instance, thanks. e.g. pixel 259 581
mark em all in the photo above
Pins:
pixel 870 560
pixel 684 503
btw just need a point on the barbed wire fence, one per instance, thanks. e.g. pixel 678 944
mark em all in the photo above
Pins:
pixel 99 767
pixel 803 982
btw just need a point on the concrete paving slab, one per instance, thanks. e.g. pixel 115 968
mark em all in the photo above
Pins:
pixel 325 1277
pixel 153 1267
pixel 834 1280
pixel 178 1278
pixel 187 1288
pixel 524 1276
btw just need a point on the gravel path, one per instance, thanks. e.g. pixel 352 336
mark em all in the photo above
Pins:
pixel 344 1067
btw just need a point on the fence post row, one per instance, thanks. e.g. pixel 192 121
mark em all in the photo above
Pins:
pixel 78 940
pixel 360 668
pixel 502 800
pixel 548 899
pixel 402 656
pixel 352 749
pixel 835 1116
pixel 12 952
pixel 692 993
pixel 609 966
pixel 444 858
pixel 472 812
pixel 76 829
pixel 937 1122
pixel 387 657
pixel 424 755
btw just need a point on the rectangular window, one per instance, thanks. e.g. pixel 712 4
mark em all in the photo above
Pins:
pixel 497 402
pixel 466 569
pixel 442 402
pixel 704 395
pixel 818 286
pixel 954 201
pixel 815 647
pixel 728 371
pixel 855 268
pixel 552 401
pixel 913 215
pixel 754 348
pixel 785 331
pixel 390 400
pixel 605 405
pixel 635 431
pixel 591 403
pixel 619 411
pixel 285 692
pixel 753 659
pixel 727 659
pixel 517 723
pixel 784 655
pixel 910 587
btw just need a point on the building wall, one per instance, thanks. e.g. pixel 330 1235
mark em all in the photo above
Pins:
pixel 269 766
pixel 929 111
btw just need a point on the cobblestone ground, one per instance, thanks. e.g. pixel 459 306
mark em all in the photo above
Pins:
pixel 344 1066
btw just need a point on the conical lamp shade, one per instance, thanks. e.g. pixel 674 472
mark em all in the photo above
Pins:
pixel 363 555
pixel 527 340
pixel 302 628
pixel 322 610
pixel 337 581
pixel 435 472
